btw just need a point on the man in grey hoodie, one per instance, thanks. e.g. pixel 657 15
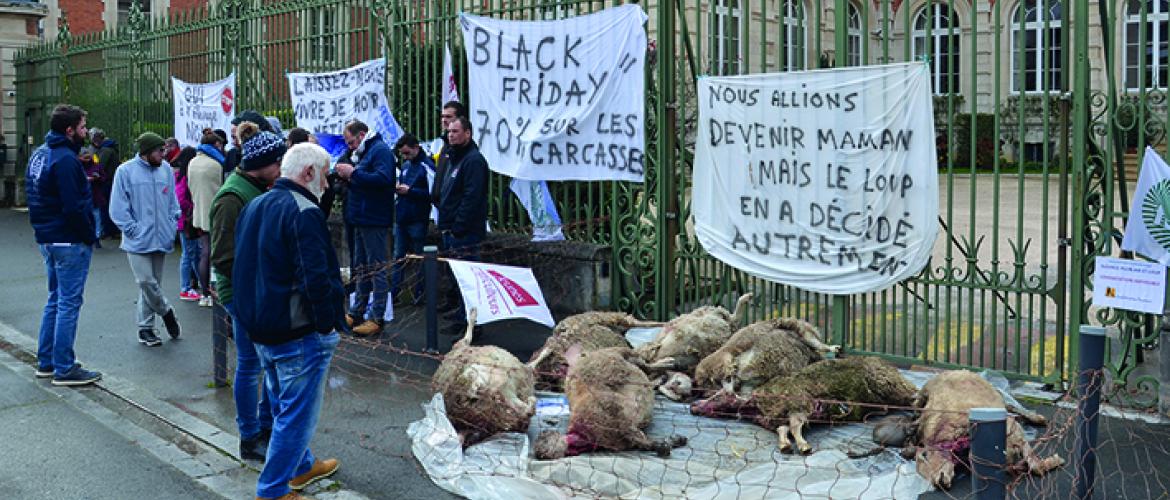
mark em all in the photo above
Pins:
pixel 144 206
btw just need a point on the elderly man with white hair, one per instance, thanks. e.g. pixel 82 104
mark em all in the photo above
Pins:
pixel 290 299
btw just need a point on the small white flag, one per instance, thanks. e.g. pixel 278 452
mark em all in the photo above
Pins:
pixel 1148 230
pixel 542 211
pixel 450 90
pixel 500 292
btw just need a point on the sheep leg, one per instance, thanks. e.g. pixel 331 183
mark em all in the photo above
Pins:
pixel 812 341
pixel 782 435
pixel 797 422
pixel 1036 465
pixel 662 364
pixel 936 466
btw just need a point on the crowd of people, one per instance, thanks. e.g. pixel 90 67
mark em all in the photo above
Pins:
pixel 249 209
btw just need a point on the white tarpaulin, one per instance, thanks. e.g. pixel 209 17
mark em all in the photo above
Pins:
pixel 500 292
pixel 1148 230
pixel 542 211
pixel 324 102
pixel 450 89
pixel 559 100
pixel 202 105
pixel 823 180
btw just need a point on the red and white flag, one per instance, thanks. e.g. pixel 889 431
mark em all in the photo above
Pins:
pixel 501 292
pixel 450 90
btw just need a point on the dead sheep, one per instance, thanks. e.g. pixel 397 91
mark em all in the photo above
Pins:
pixel 485 389
pixel 611 402
pixel 760 352
pixel 591 331
pixel 689 338
pixel 829 390
pixel 944 429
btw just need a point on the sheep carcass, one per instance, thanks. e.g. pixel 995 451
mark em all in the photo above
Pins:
pixel 611 401
pixel 591 331
pixel 787 403
pixel 689 338
pixel 943 427
pixel 760 352
pixel 486 389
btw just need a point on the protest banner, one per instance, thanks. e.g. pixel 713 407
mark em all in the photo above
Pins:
pixel 450 89
pixel 500 292
pixel 324 102
pixel 202 105
pixel 542 211
pixel 559 100
pixel 823 180
pixel 1147 231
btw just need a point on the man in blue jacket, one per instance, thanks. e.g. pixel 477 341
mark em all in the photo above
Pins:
pixel 369 213
pixel 144 206
pixel 411 210
pixel 60 208
pixel 462 202
pixel 290 299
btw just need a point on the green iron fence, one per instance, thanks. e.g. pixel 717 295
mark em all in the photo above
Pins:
pixel 1037 105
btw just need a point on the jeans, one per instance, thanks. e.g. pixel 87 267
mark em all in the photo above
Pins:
pixel 148 269
pixel 97 222
pixel 369 270
pixel 253 407
pixel 465 248
pixel 408 238
pixel 295 375
pixel 188 262
pixel 205 263
pixel 67 266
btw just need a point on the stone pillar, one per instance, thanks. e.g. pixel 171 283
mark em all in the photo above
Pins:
pixel 18 27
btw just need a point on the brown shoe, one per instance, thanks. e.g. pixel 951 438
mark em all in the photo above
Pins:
pixel 321 470
pixel 292 495
pixel 349 321
pixel 370 327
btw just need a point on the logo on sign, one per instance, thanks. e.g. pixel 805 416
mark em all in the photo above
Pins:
pixel 226 100
pixel 518 294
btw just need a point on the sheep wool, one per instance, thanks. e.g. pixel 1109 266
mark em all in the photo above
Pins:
pixel 760 352
pixel 689 338
pixel 591 331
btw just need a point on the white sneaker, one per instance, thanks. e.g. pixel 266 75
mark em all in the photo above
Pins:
pixel 205 301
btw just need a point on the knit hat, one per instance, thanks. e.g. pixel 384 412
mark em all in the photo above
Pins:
pixel 262 150
pixel 149 141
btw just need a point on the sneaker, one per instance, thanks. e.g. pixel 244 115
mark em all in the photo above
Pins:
pixel 205 301
pixel 370 327
pixel 43 372
pixel 77 376
pixel 148 338
pixel 190 295
pixel 172 324
pixel 321 469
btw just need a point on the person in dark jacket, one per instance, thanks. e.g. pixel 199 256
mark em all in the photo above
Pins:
pixel 108 157
pixel 60 208
pixel 233 157
pixel 290 299
pixel 369 213
pixel 462 204
pixel 411 210
pixel 452 110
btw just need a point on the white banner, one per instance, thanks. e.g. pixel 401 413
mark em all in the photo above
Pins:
pixel 823 180
pixel 542 210
pixel 324 102
pixel 202 105
pixel 500 292
pixel 450 90
pixel 1147 231
pixel 559 100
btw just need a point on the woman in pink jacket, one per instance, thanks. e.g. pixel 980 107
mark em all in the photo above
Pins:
pixel 188 235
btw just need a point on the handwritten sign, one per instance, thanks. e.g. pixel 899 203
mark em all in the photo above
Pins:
pixel 823 180
pixel 1129 284
pixel 202 105
pixel 325 102
pixel 560 100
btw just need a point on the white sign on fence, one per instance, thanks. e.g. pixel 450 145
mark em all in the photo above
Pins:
pixel 1129 284
pixel 559 100
pixel 324 102
pixel 500 292
pixel 824 180
pixel 202 105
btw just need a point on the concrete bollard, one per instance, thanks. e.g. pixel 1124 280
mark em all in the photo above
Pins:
pixel 988 453
pixel 431 275
pixel 1089 379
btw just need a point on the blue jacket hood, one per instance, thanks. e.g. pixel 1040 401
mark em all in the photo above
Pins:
pixel 56 140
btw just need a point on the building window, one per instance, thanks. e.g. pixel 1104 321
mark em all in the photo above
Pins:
pixel 1036 50
pixel 855 36
pixel 322 33
pixel 793 35
pixel 124 10
pixel 1153 52
pixel 725 37
pixel 934 40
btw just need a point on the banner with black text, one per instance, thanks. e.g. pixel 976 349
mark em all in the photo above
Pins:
pixel 559 100
pixel 823 180
pixel 202 105
pixel 324 102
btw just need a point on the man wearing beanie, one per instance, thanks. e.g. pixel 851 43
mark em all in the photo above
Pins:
pixel 260 166
pixel 144 206
pixel 233 156
pixel 290 298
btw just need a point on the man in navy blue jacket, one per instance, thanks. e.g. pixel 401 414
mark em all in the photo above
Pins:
pixel 462 203
pixel 411 210
pixel 289 297
pixel 60 208
pixel 369 213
